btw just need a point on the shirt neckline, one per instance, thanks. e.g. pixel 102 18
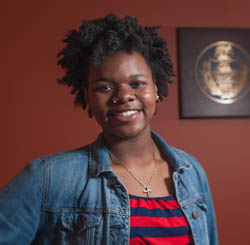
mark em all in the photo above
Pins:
pixel 165 198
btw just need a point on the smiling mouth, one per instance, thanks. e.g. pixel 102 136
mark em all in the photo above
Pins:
pixel 124 113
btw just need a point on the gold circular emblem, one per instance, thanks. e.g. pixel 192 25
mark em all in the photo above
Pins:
pixel 222 72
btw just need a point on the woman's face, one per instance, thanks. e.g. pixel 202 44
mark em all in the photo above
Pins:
pixel 122 95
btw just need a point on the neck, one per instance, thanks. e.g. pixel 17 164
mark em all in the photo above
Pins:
pixel 136 151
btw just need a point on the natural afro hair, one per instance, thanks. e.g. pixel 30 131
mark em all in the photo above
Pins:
pixel 96 39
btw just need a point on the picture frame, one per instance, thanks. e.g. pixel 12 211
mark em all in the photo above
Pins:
pixel 214 72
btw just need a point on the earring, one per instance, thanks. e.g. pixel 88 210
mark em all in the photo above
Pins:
pixel 90 112
pixel 157 100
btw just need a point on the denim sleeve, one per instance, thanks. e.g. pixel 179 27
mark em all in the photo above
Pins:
pixel 211 219
pixel 20 205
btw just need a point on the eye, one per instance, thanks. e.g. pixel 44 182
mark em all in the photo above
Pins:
pixel 104 88
pixel 137 84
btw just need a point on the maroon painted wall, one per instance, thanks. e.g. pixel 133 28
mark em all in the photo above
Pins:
pixel 37 115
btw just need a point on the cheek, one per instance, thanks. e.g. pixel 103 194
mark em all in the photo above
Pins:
pixel 99 109
pixel 149 98
pixel 98 101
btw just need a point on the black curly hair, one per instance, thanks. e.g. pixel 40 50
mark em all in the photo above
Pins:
pixel 102 37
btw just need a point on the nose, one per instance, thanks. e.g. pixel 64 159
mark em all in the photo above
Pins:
pixel 123 94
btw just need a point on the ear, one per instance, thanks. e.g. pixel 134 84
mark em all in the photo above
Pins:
pixel 156 93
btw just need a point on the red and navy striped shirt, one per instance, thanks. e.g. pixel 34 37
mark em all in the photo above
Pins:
pixel 157 220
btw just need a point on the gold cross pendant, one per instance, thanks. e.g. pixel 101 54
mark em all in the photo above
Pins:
pixel 147 190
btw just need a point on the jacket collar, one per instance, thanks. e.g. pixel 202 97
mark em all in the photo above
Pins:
pixel 99 160
pixel 177 159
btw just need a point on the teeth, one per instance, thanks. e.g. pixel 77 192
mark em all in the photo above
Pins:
pixel 127 113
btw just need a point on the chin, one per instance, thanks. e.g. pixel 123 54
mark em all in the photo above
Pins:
pixel 127 132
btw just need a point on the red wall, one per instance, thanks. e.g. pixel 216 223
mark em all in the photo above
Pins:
pixel 37 115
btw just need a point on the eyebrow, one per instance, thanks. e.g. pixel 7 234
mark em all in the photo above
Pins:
pixel 105 79
pixel 138 75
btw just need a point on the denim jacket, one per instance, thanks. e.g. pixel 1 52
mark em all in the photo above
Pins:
pixel 74 198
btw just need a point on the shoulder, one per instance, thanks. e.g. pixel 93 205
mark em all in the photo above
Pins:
pixel 187 161
pixel 181 161
pixel 65 155
pixel 53 165
pixel 62 158
pixel 177 158
pixel 191 171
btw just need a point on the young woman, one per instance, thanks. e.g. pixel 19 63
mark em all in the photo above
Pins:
pixel 128 186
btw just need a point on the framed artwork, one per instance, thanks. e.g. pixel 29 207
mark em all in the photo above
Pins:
pixel 214 72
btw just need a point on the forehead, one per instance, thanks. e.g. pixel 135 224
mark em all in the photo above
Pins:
pixel 121 65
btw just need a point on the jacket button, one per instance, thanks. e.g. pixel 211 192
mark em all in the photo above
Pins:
pixel 84 218
pixel 195 215
pixel 81 220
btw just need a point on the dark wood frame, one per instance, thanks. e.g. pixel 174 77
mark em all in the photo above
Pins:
pixel 193 103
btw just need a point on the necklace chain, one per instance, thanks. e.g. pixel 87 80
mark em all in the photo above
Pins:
pixel 146 187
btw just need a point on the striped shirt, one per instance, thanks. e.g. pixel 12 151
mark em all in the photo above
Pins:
pixel 157 220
